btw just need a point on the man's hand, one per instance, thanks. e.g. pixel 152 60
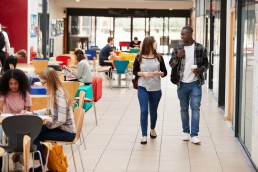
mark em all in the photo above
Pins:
pixel 181 53
pixel 197 71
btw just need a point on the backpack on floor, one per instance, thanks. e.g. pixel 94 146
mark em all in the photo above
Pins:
pixel 2 40
pixel 57 160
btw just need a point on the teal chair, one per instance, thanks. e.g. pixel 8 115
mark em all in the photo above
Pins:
pixel 120 68
pixel 134 50
pixel 89 94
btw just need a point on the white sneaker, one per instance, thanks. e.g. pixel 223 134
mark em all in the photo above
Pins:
pixel 195 140
pixel 186 137
pixel 17 166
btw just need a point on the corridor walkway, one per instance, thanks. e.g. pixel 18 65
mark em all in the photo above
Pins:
pixel 114 145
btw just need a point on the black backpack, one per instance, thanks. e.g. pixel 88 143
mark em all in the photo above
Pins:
pixel 2 40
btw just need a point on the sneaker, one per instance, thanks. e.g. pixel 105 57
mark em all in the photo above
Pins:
pixel 195 140
pixel 186 137
pixel 17 166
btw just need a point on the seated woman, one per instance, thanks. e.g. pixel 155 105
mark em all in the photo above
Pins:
pixel 62 127
pixel 83 70
pixel 14 98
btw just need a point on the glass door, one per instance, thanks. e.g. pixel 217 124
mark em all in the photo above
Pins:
pixel 139 28
pixel 156 30
pixel 247 75
pixel 103 30
pixel 122 30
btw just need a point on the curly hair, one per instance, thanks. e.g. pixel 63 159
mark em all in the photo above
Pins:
pixel 20 76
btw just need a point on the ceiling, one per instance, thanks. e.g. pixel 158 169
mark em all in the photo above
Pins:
pixel 134 4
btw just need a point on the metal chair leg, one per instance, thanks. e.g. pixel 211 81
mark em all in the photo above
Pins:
pixel 80 156
pixel 96 120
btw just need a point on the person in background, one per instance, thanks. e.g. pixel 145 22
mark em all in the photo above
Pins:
pixel 149 66
pixel 11 61
pixel 14 99
pixel 83 69
pixel 5 50
pixel 62 127
pixel 135 43
pixel 194 63
pixel 105 54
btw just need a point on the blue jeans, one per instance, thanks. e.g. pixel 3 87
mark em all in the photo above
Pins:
pixel 51 134
pixel 147 98
pixel 190 92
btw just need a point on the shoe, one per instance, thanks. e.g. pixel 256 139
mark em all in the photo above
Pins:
pixel 144 140
pixel 38 169
pixel 186 137
pixel 153 136
pixel 195 140
pixel 17 166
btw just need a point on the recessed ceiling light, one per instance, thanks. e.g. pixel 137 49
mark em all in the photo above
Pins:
pixel 77 0
pixel 170 8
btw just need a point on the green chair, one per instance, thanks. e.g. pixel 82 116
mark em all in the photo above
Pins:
pixel 134 50
pixel 89 94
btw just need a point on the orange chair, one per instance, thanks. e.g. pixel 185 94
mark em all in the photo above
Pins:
pixel 64 59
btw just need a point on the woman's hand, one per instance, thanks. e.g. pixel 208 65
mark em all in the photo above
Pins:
pixel 148 75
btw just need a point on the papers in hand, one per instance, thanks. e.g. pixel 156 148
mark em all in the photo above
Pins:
pixel 7 114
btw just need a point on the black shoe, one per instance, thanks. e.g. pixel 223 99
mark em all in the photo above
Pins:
pixel 144 142
pixel 38 169
pixel 153 136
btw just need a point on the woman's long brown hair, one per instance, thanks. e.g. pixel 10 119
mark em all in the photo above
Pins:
pixel 54 84
pixel 147 48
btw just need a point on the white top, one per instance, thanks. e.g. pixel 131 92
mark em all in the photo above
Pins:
pixel 188 75
pixel 7 43
pixel 84 72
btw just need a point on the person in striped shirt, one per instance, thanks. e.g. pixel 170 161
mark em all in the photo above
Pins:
pixel 62 126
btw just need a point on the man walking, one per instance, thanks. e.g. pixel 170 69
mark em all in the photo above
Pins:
pixel 4 47
pixel 193 62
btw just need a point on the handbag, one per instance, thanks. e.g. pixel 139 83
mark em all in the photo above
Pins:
pixel 135 82
pixel 57 160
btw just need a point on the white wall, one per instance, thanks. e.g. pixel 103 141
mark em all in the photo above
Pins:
pixel 32 39
pixel 56 12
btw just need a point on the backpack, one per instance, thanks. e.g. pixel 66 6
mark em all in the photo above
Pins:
pixel 2 40
pixel 57 160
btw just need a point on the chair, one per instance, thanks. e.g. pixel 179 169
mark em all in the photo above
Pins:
pixel 78 119
pixel 26 152
pixel 39 102
pixel 15 127
pixel 39 65
pixel 124 44
pixel 134 50
pixel 71 87
pixel 121 68
pixel 90 54
pixel 64 59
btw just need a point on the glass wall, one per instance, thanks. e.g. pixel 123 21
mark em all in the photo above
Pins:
pixel 104 25
pixel 122 31
pixel 247 70
pixel 84 31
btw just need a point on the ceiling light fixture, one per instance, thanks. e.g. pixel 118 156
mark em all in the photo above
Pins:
pixel 77 0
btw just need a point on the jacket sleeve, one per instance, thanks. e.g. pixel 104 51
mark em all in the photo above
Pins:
pixel 205 65
pixel 136 66
pixel 163 66
pixel 174 59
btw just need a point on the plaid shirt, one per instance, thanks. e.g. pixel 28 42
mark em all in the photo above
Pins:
pixel 62 115
pixel 200 59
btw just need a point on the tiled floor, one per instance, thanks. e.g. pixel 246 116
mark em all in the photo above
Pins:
pixel 114 145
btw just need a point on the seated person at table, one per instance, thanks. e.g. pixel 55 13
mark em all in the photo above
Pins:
pixel 105 54
pixel 83 70
pixel 62 127
pixel 11 61
pixel 135 43
pixel 14 98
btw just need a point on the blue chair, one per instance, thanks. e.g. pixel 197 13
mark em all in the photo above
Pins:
pixel 121 68
pixel 94 47
pixel 91 54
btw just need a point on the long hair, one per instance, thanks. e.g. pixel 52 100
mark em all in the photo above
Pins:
pixel 147 48
pixel 22 79
pixel 54 84
pixel 79 55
